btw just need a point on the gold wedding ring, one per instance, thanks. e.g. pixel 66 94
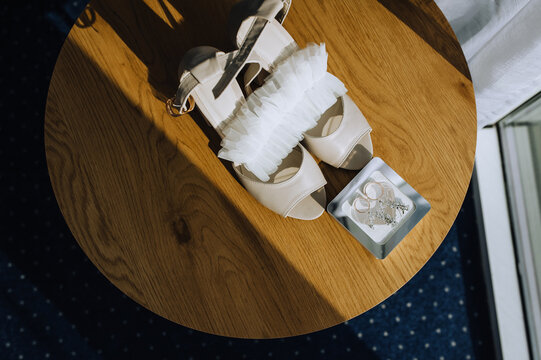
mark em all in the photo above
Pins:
pixel 365 205
pixel 373 187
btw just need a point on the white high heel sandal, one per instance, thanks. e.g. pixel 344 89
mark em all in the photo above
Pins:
pixel 342 135
pixel 293 186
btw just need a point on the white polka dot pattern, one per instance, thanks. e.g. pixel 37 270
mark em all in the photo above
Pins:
pixel 55 305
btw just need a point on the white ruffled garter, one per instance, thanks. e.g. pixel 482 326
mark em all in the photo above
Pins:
pixel 266 128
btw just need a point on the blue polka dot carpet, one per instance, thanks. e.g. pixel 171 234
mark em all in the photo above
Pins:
pixel 54 304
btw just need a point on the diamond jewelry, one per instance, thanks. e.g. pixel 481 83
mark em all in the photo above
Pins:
pixel 396 205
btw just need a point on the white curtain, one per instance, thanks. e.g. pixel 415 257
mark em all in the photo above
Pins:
pixel 501 40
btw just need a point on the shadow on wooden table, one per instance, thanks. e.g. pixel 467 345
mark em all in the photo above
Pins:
pixel 202 22
pixel 160 41
pixel 182 26
pixel 155 225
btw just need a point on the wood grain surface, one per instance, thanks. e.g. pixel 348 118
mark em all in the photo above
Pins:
pixel 164 219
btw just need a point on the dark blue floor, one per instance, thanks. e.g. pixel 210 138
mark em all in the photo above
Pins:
pixel 55 304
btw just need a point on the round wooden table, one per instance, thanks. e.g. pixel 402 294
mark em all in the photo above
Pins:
pixel 165 220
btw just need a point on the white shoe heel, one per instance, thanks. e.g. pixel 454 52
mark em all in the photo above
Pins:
pixel 296 188
pixel 257 31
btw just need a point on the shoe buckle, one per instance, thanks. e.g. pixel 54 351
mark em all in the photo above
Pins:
pixel 178 111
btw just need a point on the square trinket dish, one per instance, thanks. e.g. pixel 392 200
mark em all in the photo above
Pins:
pixel 378 208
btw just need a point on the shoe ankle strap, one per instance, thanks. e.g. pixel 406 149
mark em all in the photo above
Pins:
pixel 267 11
pixel 236 65
pixel 281 16
pixel 195 74
pixel 182 101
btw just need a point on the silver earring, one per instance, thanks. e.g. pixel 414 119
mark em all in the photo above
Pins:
pixel 381 215
pixel 397 205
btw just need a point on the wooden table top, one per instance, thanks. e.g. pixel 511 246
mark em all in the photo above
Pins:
pixel 165 220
